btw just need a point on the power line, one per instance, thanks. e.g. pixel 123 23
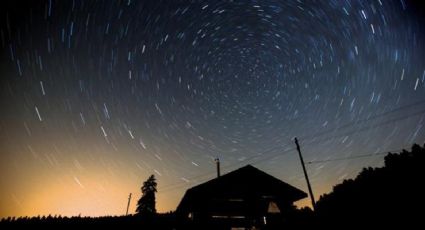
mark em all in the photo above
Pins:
pixel 364 120
pixel 376 125
pixel 317 134
pixel 354 157
pixel 358 130
pixel 180 185
pixel 183 184
pixel 352 132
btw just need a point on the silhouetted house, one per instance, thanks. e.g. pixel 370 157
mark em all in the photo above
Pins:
pixel 243 198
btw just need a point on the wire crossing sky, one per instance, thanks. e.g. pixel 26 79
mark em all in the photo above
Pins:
pixel 98 95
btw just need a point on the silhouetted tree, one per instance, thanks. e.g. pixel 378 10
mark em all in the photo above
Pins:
pixel 384 196
pixel 146 204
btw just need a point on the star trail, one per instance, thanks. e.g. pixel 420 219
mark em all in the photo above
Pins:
pixel 98 95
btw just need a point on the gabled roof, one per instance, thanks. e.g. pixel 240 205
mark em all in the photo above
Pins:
pixel 247 181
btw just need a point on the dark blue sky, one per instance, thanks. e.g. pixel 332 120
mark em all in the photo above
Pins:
pixel 98 95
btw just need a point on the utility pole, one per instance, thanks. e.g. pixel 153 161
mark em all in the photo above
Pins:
pixel 128 204
pixel 310 191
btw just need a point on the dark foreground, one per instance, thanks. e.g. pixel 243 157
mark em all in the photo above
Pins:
pixel 386 197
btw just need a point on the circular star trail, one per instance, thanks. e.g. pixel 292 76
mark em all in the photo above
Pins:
pixel 98 95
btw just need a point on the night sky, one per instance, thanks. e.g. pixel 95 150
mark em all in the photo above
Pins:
pixel 98 95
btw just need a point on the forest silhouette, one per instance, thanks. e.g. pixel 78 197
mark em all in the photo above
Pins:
pixel 386 196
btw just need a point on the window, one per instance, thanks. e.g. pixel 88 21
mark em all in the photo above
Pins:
pixel 273 208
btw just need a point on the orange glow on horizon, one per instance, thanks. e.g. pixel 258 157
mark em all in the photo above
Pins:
pixel 68 195
pixel 91 183
pixel 89 196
